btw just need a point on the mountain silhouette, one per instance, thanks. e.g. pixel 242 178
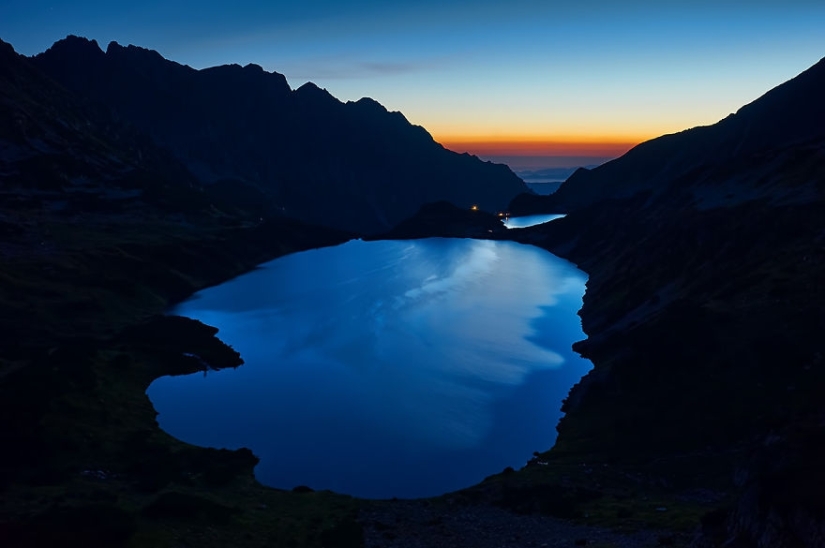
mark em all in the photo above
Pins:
pixel 348 165
pixel 138 181
pixel 109 213
pixel 790 114
pixel 705 252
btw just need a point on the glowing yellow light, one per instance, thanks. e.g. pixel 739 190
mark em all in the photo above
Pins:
pixel 474 207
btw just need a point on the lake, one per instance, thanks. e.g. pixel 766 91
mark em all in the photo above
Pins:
pixel 531 220
pixel 386 369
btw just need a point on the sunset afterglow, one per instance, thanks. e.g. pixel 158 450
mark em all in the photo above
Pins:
pixel 516 146
pixel 526 78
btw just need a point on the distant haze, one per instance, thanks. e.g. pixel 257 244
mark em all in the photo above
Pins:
pixel 521 164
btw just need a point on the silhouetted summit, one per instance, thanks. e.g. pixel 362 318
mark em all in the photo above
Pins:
pixel 349 165
pixel 789 114
pixel 86 194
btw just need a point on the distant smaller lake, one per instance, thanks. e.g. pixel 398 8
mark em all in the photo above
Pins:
pixel 530 220
pixel 386 369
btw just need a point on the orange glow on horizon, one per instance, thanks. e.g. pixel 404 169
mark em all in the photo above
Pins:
pixel 540 147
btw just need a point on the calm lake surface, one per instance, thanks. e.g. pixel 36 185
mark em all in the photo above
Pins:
pixel 530 220
pixel 386 369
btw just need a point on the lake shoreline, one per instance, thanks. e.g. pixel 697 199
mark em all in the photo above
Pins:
pixel 459 324
pixel 90 436
pixel 221 483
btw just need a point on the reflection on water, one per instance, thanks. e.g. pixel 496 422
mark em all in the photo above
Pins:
pixel 530 220
pixel 385 369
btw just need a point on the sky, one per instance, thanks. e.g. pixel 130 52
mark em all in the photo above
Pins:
pixel 540 83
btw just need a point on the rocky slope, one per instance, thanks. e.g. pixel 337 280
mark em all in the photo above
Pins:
pixel 347 165
pixel 706 256
pixel 100 230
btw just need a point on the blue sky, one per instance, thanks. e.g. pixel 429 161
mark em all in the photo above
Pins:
pixel 477 71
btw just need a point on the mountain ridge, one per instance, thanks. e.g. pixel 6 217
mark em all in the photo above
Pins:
pixel 347 165
pixel 704 314
pixel 786 115
pixel 705 252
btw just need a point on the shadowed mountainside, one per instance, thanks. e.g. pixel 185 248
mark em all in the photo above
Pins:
pixel 347 165
pixel 85 192
pixel 788 115
pixel 100 230
pixel 704 314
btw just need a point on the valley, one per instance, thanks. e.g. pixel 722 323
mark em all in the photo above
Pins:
pixel 700 423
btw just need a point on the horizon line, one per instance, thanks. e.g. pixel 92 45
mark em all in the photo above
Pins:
pixel 527 147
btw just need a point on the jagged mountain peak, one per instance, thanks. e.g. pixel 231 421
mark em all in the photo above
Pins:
pixel 134 53
pixel 74 45
pixel 313 91
pixel 252 75
pixel 368 103
pixel 353 166
pixel 369 107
